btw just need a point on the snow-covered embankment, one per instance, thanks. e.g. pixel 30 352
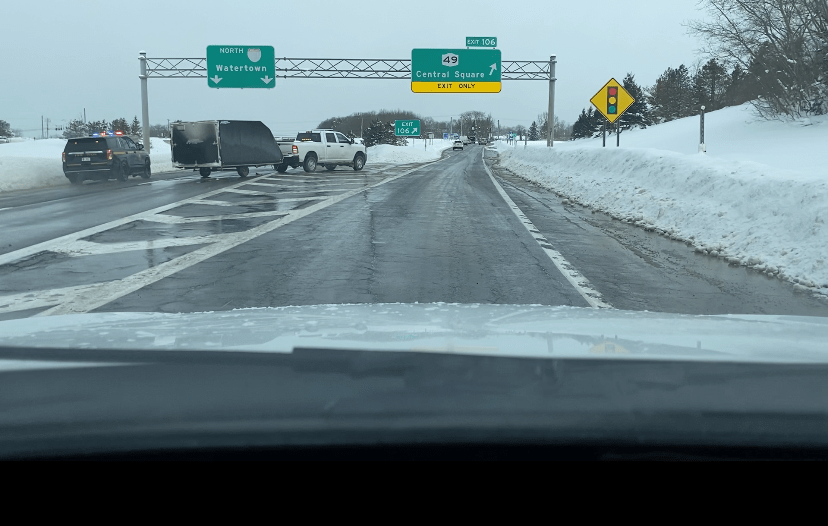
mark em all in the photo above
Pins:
pixel 764 217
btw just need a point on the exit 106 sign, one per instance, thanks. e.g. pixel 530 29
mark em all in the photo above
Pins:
pixel 407 128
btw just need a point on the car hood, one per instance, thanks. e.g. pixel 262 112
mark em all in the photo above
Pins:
pixel 498 330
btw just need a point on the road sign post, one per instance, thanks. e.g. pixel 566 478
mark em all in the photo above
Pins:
pixel 456 71
pixel 244 67
pixel 142 57
pixel 410 128
pixel 550 140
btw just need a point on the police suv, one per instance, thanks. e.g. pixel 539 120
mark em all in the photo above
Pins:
pixel 104 156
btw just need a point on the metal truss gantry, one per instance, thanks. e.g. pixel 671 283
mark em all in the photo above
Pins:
pixel 336 68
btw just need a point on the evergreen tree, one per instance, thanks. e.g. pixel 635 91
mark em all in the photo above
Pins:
pixel 710 84
pixel 135 128
pixel 120 125
pixel 596 122
pixel 534 135
pixel 76 128
pixel 579 129
pixel 5 129
pixel 672 95
pixel 638 116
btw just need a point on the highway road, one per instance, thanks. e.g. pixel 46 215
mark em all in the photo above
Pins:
pixel 459 230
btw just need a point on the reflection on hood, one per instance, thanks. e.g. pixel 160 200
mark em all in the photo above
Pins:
pixel 502 330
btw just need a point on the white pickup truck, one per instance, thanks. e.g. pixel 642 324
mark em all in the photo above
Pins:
pixel 327 148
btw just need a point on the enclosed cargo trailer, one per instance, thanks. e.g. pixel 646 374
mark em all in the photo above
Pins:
pixel 212 146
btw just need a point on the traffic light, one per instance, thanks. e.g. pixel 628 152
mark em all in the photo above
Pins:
pixel 612 100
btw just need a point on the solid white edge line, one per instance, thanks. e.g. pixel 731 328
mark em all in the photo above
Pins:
pixel 575 278
pixel 87 299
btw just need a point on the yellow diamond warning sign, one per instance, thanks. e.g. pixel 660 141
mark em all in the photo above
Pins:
pixel 613 100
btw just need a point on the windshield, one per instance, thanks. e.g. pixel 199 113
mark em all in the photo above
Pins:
pixel 503 184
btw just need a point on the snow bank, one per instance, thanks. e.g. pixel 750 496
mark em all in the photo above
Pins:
pixel 770 215
pixel 31 164
pixel 37 164
pixel 387 154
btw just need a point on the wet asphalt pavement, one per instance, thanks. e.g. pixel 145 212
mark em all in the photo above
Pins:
pixel 435 233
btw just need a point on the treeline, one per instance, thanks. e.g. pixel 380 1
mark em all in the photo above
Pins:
pixel 780 45
pixel 5 129
pixel 79 128
pixel 374 126
pixel 676 94
pixel 771 53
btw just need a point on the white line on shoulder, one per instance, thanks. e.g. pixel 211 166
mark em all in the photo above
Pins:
pixel 575 278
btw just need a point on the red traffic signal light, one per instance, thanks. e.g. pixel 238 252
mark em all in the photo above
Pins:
pixel 612 100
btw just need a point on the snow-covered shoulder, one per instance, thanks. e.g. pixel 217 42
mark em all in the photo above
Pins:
pixel 414 153
pixel 759 197
pixel 38 164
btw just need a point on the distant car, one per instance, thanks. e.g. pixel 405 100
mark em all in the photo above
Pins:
pixel 105 156
pixel 4 140
pixel 458 145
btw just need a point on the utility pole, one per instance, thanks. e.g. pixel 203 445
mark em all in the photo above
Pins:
pixel 550 141
pixel 41 126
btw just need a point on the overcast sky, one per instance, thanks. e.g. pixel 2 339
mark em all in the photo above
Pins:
pixel 61 57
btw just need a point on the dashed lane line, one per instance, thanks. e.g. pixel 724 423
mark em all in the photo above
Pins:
pixel 86 299
pixel 575 278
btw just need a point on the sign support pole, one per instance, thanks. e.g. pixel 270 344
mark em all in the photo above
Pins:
pixel 604 133
pixel 702 146
pixel 142 58
pixel 550 140
pixel 618 134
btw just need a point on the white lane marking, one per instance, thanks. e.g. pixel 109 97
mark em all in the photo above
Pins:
pixel 40 299
pixel 575 278
pixel 62 241
pixel 87 248
pixel 176 220
pixel 209 202
pixel 87 299
pixel 8 208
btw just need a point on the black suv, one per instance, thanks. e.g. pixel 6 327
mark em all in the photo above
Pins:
pixel 104 157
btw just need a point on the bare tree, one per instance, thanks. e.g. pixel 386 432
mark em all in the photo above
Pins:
pixel 781 44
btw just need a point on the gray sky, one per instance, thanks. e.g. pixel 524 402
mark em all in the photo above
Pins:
pixel 62 57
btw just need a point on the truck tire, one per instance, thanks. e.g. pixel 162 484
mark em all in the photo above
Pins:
pixel 205 172
pixel 121 171
pixel 147 173
pixel 310 163
pixel 243 171
pixel 330 167
pixel 75 179
pixel 359 162
pixel 281 168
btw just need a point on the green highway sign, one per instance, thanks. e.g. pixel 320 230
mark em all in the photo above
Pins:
pixel 407 129
pixel 456 71
pixel 241 67
pixel 481 41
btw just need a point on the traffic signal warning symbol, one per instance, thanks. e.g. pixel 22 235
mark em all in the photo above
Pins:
pixel 612 101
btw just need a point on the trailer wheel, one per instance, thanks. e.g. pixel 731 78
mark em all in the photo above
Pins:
pixel 330 167
pixel 243 171
pixel 205 172
pixel 310 163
